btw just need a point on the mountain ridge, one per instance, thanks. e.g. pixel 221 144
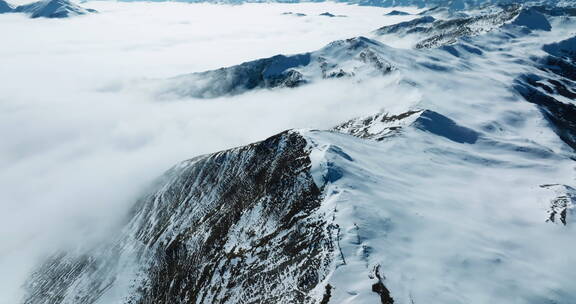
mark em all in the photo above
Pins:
pixel 47 9
pixel 438 200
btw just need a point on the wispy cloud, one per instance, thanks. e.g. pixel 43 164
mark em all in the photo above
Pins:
pixel 77 147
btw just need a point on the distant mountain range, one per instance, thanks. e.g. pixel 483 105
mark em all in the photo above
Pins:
pixel 463 196
pixel 47 9
pixel 450 4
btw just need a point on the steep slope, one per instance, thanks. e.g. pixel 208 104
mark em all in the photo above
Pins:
pixel 53 9
pixel 322 217
pixel 217 228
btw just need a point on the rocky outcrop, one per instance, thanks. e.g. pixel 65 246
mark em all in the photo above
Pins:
pixel 562 204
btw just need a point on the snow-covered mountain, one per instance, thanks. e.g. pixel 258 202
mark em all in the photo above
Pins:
pixel 5 7
pixel 465 195
pixel 552 87
pixel 449 5
pixel 457 5
pixel 345 58
pixel 48 9
pixel 428 31
pixel 359 57
pixel 441 5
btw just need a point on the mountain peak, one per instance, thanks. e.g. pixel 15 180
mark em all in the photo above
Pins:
pixel 53 9
pixel 5 7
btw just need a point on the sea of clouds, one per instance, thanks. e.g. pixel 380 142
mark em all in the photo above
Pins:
pixel 78 143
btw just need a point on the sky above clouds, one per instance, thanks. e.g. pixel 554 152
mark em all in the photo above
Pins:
pixel 79 143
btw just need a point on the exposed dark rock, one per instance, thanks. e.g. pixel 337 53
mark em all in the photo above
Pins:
pixel 328 14
pixel 378 127
pixel 327 295
pixel 217 229
pixel 562 204
pixel 380 288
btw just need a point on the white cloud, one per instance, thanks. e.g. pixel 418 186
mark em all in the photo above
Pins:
pixel 76 150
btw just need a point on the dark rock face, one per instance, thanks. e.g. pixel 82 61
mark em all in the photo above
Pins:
pixel 380 288
pixel 238 226
pixel 327 14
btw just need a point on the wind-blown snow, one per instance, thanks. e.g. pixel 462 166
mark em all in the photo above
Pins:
pixel 457 226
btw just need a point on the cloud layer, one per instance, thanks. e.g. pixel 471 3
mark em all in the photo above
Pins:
pixel 79 145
